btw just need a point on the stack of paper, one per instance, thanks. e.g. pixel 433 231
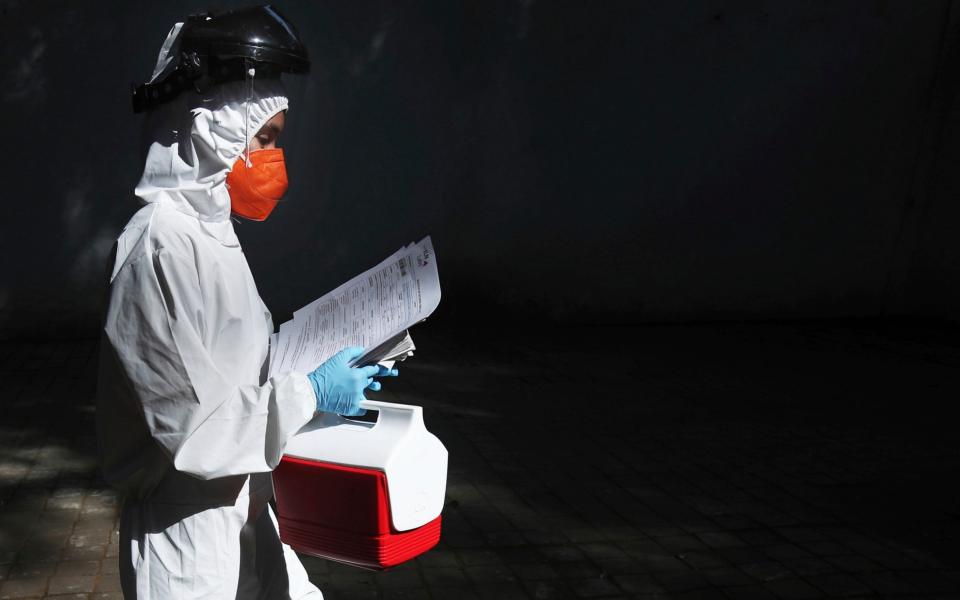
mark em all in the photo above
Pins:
pixel 399 347
pixel 373 310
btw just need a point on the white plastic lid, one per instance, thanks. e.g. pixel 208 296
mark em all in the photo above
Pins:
pixel 413 459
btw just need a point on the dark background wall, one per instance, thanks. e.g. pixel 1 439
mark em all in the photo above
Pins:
pixel 574 161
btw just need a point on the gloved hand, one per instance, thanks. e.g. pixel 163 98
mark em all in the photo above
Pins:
pixel 339 387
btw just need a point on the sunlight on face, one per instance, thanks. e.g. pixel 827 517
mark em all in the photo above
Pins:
pixel 268 135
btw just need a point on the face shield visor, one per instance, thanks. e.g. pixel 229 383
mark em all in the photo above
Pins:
pixel 258 180
pixel 246 51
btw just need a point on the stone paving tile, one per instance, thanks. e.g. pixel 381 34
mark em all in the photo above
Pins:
pixel 445 577
pixel 535 571
pixel 639 584
pixel 548 590
pixel 71 584
pixel 403 594
pixel 727 577
pixel 480 574
pixel 750 593
pixel 593 587
pixel 807 567
pixel 840 585
pixel 743 555
pixel 766 571
pixel 793 589
pixel 853 563
pixel 23 588
pixel 735 471
pixel 107 583
pixel 682 581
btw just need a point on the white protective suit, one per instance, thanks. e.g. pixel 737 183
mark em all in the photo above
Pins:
pixel 187 430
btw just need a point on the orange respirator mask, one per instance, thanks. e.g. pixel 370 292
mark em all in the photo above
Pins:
pixel 255 190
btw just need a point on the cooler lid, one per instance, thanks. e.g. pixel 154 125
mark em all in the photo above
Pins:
pixel 413 459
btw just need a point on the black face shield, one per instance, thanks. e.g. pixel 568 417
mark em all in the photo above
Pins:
pixel 213 48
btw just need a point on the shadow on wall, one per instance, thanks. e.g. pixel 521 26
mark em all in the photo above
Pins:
pixel 577 162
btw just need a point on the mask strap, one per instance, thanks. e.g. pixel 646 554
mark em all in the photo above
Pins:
pixel 251 73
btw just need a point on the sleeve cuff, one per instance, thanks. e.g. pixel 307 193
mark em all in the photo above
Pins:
pixel 304 393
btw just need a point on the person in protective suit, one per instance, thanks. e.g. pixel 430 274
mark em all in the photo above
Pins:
pixel 188 429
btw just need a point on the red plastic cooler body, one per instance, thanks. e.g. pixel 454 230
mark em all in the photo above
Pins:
pixel 343 513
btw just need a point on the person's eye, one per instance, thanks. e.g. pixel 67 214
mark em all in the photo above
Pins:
pixel 264 140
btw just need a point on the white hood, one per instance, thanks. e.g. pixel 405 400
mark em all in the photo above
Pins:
pixel 195 139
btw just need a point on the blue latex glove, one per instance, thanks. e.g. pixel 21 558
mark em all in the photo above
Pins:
pixel 339 387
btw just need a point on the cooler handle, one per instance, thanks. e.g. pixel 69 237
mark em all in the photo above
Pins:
pixel 392 414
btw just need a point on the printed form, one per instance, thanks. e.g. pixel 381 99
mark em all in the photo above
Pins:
pixel 368 311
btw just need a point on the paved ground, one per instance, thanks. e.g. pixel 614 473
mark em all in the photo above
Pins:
pixel 716 461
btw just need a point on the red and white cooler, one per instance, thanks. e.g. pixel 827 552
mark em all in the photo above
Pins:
pixel 365 494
